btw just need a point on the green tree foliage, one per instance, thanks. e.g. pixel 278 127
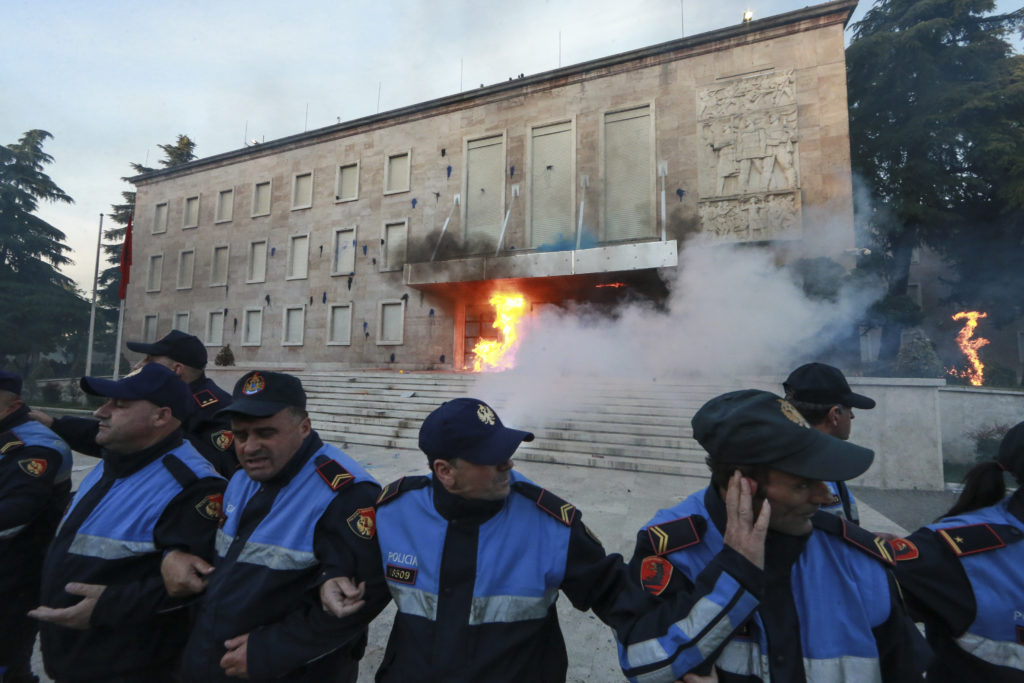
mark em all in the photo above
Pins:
pixel 41 311
pixel 935 131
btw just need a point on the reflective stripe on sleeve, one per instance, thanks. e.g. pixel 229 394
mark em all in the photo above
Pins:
pixel 998 652
pixel 860 669
pixel 510 608
pixel 13 531
pixel 741 657
pixel 109 548
pixel 222 543
pixel 414 601
pixel 276 557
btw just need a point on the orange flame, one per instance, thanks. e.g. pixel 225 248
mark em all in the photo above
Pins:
pixel 976 372
pixel 495 355
pixel 616 285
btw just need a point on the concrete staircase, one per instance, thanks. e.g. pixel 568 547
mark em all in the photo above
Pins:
pixel 629 425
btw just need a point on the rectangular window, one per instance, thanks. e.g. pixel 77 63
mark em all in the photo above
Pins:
pixel 252 327
pixel 302 190
pixel 154 273
pixel 181 321
pixel 339 329
pixel 186 267
pixel 393 250
pixel 298 257
pixel 215 328
pixel 225 206
pixel 396 173
pixel 294 324
pixel 391 323
pixel 191 216
pixel 484 197
pixel 149 328
pixel 343 260
pixel 160 218
pixel 346 187
pixel 261 199
pixel 551 185
pixel 256 271
pixel 219 266
pixel 629 177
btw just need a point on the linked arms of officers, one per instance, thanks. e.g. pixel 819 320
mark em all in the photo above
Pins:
pixel 77 432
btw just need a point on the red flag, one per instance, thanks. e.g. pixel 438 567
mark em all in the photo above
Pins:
pixel 126 259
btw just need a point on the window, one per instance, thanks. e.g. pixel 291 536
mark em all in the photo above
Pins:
pixel 225 206
pixel 219 266
pixel 252 327
pixel 154 273
pixel 294 322
pixel 160 218
pixel 914 292
pixel 191 217
pixel 261 199
pixel 215 328
pixel 302 190
pixel 343 259
pixel 256 271
pixel 346 187
pixel 628 172
pixel 551 184
pixel 393 249
pixel 149 328
pixel 391 324
pixel 186 267
pixel 181 321
pixel 396 173
pixel 484 198
pixel 339 326
pixel 298 257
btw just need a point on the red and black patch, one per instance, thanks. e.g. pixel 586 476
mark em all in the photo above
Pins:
pixel 363 523
pixel 222 439
pixel 33 467
pixel 556 507
pixel 971 539
pixel 334 474
pixel 390 491
pixel 655 573
pixel 903 550
pixel 669 537
pixel 401 574
pixel 9 441
pixel 205 398
pixel 212 507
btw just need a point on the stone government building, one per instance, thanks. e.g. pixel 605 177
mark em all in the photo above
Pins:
pixel 377 242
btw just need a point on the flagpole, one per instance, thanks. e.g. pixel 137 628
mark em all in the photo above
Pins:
pixel 117 349
pixel 122 289
pixel 92 311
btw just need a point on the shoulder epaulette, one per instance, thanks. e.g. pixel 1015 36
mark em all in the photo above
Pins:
pixel 979 538
pixel 858 537
pixel 332 472
pixel 548 502
pixel 205 398
pixel 676 534
pixel 180 471
pixel 9 441
pixel 391 491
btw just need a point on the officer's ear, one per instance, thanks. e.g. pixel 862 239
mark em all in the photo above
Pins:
pixel 444 470
pixel 162 416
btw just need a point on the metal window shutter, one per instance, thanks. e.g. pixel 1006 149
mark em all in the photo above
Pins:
pixel 391 323
pixel 303 190
pixel 220 265
pixel 258 261
pixel 551 209
pixel 398 172
pixel 347 183
pixel 294 319
pixel 394 246
pixel 156 264
pixel 344 251
pixel 484 184
pixel 628 177
pixel 215 333
pixel 299 257
pixel 341 323
pixel 225 204
pixel 253 325
pixel 263 198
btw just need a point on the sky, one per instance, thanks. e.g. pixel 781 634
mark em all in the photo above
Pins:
pixel 111 80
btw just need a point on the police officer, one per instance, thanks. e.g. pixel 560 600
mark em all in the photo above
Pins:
pixel 299 512
pixel 831 609
pixel 475 555
pixel 35 487
pixel 186 355
pixel 964 575
pixel 105 613
pixel 823 396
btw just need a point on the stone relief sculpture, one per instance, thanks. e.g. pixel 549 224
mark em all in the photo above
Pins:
pixel 748 171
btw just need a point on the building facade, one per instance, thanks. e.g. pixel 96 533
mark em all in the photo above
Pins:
pixel 378 242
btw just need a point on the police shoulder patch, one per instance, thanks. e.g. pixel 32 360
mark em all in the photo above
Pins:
pixel 212 507
pixel 676 534
pixel 363 523
pixel 33 467
pixel 978 538
pixel 205 398
pixel 548 502
pixel 332 472
pixel 391 491
pixel 655 573
pixel 858 537
pixel 9 441
pixel 222 439
pixel 903 549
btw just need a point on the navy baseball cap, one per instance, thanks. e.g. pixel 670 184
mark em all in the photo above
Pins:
pixel 152 382
pixel 1011 451
pixel 10 381
pixel 261 393
pixel 752 427
pixel 177 345
pixel 469 429
pixel 824 385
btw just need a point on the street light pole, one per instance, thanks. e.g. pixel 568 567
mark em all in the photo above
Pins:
pixel 92 312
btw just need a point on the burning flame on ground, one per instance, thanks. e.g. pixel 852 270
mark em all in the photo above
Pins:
pixel 976 372
pixel 501 355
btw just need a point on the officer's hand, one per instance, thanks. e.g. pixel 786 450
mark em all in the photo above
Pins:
pixel 697 678
pixel 184 574
pixel 234 660
pixel 743 533
pixel 76 616
pixel 39 416
pixel 341 596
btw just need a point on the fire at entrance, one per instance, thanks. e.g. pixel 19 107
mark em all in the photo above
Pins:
pixel 975 371
pixel 500 354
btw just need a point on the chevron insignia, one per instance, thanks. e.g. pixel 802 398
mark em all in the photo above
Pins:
pixel 674 535
pixel 390 491
pixel 334 474
pixel 556 507
pixel 8 442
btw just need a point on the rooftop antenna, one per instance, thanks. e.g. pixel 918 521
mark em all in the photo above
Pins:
pixel 460 74
pixel 378 96
pixel 305 124
pixel 559 49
